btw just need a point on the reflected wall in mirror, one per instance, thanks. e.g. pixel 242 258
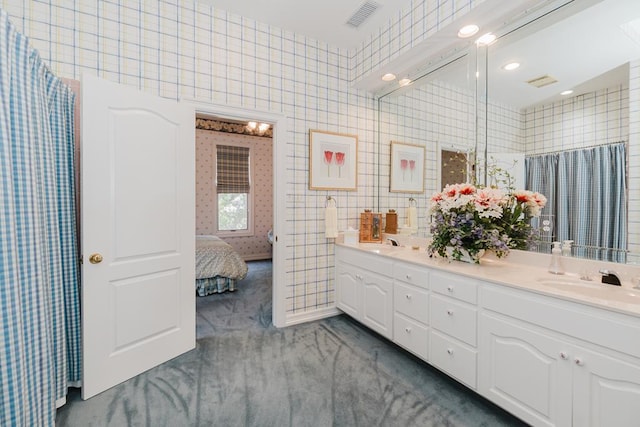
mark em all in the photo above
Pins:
pixel 563 52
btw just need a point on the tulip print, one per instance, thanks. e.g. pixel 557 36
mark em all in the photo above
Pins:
pixel 339 162
pixel 412 166
pixel 403 166
pixel 328 156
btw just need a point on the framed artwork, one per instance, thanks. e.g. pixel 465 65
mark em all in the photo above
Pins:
pixel 407 168
pixel 333 161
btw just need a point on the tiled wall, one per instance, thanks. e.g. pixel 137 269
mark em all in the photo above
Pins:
pixel 249 247
pixel 633 167
pixel 180 49
pixel 583 121
pixel 409 28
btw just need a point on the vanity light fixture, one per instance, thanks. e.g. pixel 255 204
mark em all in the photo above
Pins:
pixel 252 125
pixel 486 39
pixel 404 82
pixel 389 77
pixel 566 92
pixel 511 66
pixel 468 31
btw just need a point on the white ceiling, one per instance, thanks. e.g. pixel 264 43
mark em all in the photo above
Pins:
pixel 584 52
pixel 324 20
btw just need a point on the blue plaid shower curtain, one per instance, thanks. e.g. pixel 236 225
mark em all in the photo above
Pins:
pixel 39 285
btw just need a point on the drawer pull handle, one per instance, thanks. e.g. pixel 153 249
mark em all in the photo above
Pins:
pixel 408 277
pixel 578 361
pixel 450 288
pixel 407 330
pixel 408 296
pixel 450 312
pixel 450 351
pixel 563 355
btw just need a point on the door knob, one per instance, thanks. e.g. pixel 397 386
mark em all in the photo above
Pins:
pixel 95 259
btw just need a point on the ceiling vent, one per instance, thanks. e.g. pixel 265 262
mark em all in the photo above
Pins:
pixel 362 14
pixel 542 81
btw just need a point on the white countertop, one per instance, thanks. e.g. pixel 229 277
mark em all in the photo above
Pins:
pixel 527 270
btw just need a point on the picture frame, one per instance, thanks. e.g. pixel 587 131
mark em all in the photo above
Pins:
pixel 407 168
pixel 333 161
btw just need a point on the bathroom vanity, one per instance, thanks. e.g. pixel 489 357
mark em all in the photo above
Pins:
pixel 552 350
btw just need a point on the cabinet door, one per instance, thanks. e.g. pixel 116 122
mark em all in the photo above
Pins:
pixel 348 289
pixel 606 390
pixel 525 371
pixel 377 304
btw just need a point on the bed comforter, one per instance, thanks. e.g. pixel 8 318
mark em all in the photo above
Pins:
pixel 218 266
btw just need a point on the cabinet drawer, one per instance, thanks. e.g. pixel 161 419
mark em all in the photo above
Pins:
pixel 411 301
pixel 453 358
pixel 411 274
pixel 458 287
pixel 454 318
pixel 366 260
pixel 411 335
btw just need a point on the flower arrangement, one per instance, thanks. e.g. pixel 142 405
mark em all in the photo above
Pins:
pixel 468 220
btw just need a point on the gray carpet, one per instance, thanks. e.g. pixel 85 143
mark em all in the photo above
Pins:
pixel 245 372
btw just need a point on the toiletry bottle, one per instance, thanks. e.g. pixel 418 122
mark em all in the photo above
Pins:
pixel 555 266
pixel 566 247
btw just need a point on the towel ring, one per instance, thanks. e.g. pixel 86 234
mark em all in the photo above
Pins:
pixel 413 202
pixel 330 199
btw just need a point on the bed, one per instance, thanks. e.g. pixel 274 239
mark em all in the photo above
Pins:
pixel 218 266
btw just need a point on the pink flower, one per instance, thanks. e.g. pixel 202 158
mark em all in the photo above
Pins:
pixel 412 164
pixel 328 155
pixel 339 159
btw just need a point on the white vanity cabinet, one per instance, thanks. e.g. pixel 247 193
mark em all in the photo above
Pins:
pixel 453 312
pixel 547 360
pixel 364 289
pixel 552 362
pixel 411 308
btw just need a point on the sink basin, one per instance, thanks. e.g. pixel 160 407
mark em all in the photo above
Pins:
pixel 569 281
pixel 377 248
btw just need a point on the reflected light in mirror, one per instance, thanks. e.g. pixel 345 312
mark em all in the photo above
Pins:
pixel 468 31
pixel 404 82
pixel 566 92
pixel 511 66
pixel 486 39
pixel 389 77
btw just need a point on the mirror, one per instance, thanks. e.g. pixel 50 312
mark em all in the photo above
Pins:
pixel 448 109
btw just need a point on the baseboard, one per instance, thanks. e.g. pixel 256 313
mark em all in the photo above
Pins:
pixel 257 257
pixel 310 316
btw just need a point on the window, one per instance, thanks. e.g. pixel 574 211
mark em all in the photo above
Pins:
pixel 233 184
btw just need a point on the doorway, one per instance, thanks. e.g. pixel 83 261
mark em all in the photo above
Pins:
pixel 279 125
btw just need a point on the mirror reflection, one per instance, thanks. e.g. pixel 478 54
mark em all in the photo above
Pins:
pixel 575 148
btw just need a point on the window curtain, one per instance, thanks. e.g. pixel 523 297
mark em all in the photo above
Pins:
pixel 232 164
pixel 586 192
pixel 39 287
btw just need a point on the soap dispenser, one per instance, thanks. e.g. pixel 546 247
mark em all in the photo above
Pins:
pixel 555 266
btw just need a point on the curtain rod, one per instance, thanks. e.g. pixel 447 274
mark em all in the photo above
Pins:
pixel 577 149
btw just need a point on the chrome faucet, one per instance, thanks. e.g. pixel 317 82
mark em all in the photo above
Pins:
pixel 393 241
pixel 610 277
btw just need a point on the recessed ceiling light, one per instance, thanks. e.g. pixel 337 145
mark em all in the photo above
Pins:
pixel 404 82
pixel 566 92
pixel 388 77
pixel 468 31
pixel 486 39
pixel 511 66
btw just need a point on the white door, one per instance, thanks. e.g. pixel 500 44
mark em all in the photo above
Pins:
pixel 138 232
